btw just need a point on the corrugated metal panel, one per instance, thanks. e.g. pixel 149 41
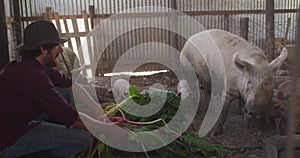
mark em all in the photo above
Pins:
pixel 230 22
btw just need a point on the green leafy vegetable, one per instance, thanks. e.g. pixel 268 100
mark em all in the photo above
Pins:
pixel 186 144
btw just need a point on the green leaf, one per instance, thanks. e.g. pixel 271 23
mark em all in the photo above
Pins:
pixel 133 91
pixel 191 144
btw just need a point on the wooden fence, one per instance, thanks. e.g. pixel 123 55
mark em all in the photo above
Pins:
pixel 69 27
pixel 212 14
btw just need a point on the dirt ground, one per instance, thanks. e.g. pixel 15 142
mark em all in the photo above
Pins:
pixel 241 141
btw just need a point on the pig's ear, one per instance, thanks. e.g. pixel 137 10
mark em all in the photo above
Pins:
pixel 274 65
pixel 242 65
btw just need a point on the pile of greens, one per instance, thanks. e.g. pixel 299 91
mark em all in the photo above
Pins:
pixel 184 146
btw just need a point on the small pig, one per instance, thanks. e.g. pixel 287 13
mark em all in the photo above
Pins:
pixel 120 90
pixel 278 113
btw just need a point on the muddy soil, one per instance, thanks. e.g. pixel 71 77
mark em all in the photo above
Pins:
pixel 243 142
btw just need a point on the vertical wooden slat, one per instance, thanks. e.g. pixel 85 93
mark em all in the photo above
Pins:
pixel 78 43
pixel 48 14
pixel 270 29
pixel 88 39
pixel 244 25
pixel 226 22
pixel 70 45
pixel 57 22
pixel 92 15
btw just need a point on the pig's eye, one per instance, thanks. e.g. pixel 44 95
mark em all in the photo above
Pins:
pixel 266 84
pixel 249 83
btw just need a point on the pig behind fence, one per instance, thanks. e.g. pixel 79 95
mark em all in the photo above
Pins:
pixel 278 113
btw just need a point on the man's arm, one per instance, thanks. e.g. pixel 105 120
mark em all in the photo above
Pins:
pixel 85 97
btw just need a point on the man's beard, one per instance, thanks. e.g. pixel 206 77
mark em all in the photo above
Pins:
pixel 50 62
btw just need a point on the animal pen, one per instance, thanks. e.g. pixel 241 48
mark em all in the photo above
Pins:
pixel 268 24
pixel 75 20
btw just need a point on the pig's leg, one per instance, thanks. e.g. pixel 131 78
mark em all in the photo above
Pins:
pixel 218 127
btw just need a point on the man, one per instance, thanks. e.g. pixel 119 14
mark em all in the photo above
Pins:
pixel 28 90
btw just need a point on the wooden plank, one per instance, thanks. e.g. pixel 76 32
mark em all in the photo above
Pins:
pixel 226 22
pixel 270 35
pixel 49 14
pixel 244 27
pixel 78 43
pixel 159 14
pixel 73 34
pixel 57 22
pixel 88 39
pixel 70 45
pixel 92 15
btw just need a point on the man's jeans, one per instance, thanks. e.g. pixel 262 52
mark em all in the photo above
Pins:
pixel 59 140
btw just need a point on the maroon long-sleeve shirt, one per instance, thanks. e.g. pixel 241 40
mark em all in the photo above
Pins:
pixel 27 89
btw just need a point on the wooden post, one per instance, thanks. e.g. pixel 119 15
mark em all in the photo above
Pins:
pixel 92 15
pixel 226 22
pixel 174 21
pixel 292 106
pixel 270 35
pixel 4 52
pixel 244 26
pixel 48 15
pixel 17 24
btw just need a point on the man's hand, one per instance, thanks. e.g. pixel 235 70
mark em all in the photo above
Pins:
pixel 110 130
